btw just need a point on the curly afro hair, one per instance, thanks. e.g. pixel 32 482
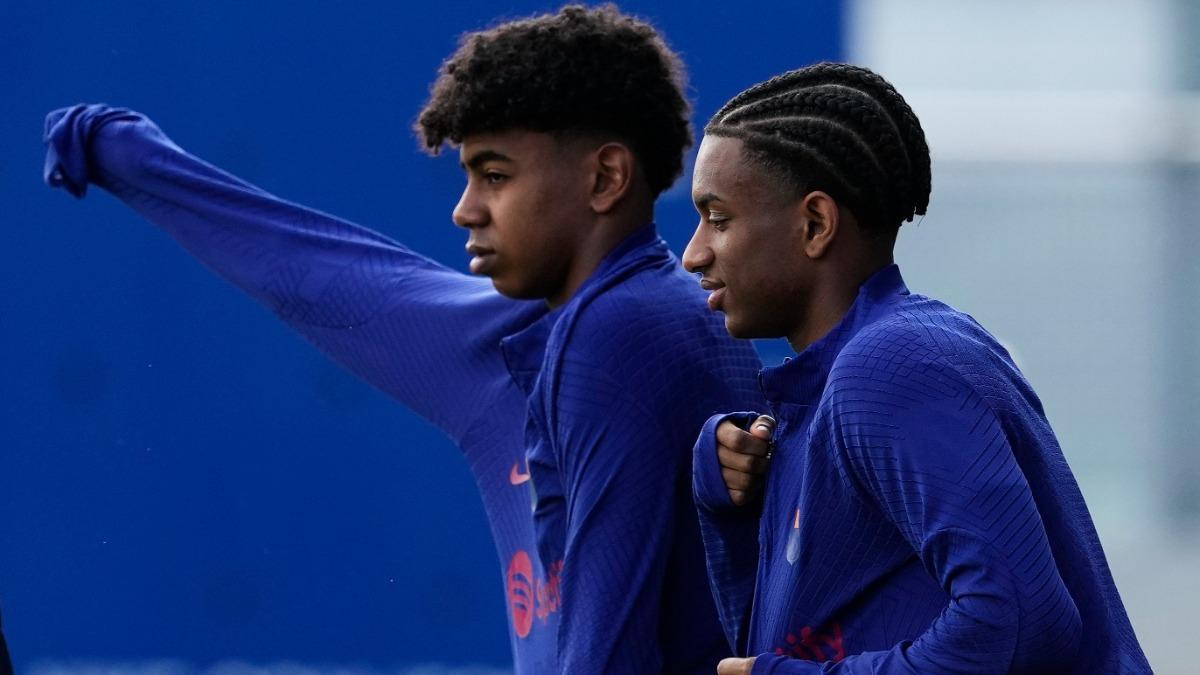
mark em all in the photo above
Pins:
pixel 582 70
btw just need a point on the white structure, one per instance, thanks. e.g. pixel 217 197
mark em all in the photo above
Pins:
pixel 1066 154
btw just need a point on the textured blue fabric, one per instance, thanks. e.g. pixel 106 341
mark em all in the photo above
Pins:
pixel 919 516
pixel 584 416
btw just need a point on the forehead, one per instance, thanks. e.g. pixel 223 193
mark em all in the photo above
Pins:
pixel 517 145
pixel 723 170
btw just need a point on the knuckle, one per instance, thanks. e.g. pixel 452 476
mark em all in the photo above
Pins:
pixel 726 457
pixel 744 442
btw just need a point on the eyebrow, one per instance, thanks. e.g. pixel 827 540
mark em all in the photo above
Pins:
pixel 704 199
pixel 483 157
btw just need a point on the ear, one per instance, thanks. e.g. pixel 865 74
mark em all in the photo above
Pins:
pixel 821 222
pixel 613 179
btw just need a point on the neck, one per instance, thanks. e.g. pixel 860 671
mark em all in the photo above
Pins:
pixel 832 299
pixel 826 308
pixel 601 239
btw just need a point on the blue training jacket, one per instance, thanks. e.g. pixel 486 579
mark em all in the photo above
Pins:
pixel 587 413
pixel 919 516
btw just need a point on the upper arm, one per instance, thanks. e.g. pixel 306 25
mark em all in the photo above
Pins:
pixel 642 379
pixel 624 430
pixel 924 446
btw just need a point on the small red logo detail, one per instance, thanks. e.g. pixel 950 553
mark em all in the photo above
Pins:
pixel 814 646
pixel 528 596
pixel 548 598
pixel 515 476
pixel 520 592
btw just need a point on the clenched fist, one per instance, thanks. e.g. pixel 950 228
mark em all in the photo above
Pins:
pixel 744 457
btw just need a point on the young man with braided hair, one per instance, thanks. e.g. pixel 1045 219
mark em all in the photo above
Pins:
pixel 918 515
pixel 578 387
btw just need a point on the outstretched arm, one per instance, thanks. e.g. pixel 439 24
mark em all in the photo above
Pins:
pixel 424 334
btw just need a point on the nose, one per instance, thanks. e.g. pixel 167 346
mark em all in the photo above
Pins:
pixel 697 256
pixel 469 212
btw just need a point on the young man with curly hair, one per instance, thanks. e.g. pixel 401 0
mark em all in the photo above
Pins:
pixel 918 515
pixel 576 389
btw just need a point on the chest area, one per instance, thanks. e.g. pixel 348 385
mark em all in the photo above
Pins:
pixel 801 493
pixel 812 526
pixel 823 548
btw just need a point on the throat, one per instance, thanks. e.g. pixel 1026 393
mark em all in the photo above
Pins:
pixel 587 258
pixel 825 311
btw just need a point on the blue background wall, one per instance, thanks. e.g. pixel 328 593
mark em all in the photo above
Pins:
pixel 181 477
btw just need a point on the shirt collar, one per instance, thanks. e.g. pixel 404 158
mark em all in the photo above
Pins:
pixel 642 243
pixel 801 379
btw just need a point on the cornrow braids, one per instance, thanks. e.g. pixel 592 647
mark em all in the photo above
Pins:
pixel 838 128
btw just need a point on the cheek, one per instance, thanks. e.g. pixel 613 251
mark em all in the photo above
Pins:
pixel 515 225
pixel 745 265
pixel 533 248
pixel 761 282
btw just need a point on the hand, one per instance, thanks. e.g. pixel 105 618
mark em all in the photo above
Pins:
pixel 736 666
pixel 744 457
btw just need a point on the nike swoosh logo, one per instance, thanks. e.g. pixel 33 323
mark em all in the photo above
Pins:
pixel 515 476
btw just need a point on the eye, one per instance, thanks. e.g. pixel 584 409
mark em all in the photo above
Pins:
pixel 494 177
pixel 718 220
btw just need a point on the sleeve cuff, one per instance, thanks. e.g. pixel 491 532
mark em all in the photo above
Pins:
pixel 774 664
pixel 707 483
pixel 68 134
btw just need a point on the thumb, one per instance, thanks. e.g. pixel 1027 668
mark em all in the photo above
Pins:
pixel 735 666
pixel 763 427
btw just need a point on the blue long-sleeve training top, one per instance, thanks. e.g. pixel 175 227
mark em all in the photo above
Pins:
pixel 583 417
pixel 919 516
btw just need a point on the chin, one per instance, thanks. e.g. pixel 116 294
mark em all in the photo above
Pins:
pixel 504 286
pixel 745 329
pixel 515 293
pixel 516 290
pixel 737 329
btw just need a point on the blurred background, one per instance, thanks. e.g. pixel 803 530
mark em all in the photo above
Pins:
pixel 187 487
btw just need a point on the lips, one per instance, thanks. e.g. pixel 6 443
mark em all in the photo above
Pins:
pixel 483 260
pixel 715 296
pixel 483 264
pixel 714 299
